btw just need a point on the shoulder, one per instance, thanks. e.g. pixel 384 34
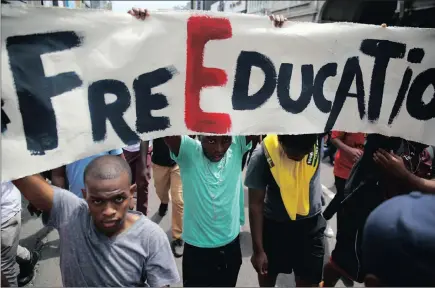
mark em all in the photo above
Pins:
pixel 258 157
pixel 239 140
pixel 150 231
pixel 258 172
pixel 189 142
pixel 188 146
pixel 80 164
pixel 67 199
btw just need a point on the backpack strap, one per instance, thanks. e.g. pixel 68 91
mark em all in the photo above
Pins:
pixel 268 158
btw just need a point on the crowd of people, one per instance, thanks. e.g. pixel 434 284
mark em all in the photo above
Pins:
pixel 384 204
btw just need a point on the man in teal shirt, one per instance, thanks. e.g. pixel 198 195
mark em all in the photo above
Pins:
pixel 213 206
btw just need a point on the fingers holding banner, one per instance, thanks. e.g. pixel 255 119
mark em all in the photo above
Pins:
pixel 278 20
pixel 139 13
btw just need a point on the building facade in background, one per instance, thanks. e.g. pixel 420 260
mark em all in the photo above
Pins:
pixel 293 10
pixel 229 6
pixel 107 5
pixel 182 7
pixel 202 4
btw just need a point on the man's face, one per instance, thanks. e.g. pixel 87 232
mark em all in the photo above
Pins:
pixel 215 147
pixel 295 154
pixel 108 202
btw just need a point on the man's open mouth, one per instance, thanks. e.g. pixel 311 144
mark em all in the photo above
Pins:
pixel 218 157
pixel 109 224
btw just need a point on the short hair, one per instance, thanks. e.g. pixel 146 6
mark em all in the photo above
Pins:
pixel 107 167
pixel 300 142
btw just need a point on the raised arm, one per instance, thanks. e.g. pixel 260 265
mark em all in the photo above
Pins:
pixel 35 189
pixel 421 184
pixel 174 143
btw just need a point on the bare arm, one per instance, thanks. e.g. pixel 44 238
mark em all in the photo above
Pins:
pixel 340 145
pixel 58 177
pixel 256 203
pixel 420 184
pixel 394 166
pixel 353 153
pixel 144 145
pixel 35 189
pixel 174 143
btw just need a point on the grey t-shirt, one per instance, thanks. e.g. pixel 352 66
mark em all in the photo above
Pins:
pixel 140 256
pixel 258 176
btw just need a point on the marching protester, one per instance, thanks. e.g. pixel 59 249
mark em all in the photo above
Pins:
pixel 17 262
pixel 103 243
pixel 71 176
pixel 137 156
pixel 377 176
pixel 398 245
pixel 384 227
pixel 167 177
pixel 212 191
pixel 213 201
pixel 350 148
pixel 285 207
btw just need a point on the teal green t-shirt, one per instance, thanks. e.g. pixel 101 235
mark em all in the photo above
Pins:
pixel 212 193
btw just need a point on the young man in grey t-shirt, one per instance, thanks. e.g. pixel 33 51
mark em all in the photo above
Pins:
pixel 102 242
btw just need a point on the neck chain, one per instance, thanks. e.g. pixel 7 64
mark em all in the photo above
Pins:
pixel 220 168
pixel 411 155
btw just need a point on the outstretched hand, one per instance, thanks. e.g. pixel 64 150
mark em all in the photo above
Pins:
pixel 391 164
pixel 139 13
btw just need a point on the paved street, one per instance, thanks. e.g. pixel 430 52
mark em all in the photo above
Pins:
pixel 33 234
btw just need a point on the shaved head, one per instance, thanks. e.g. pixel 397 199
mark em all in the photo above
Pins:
pixel 107 167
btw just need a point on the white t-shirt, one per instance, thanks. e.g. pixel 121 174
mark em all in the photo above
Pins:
pixel 132 148
pixel 136 147
pixel 10 201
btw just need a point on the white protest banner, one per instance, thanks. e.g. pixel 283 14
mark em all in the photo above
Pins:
pixel 79 82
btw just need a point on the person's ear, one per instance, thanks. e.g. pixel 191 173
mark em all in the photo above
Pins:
pixel 133 188
pixel 372 281
pixel 84 193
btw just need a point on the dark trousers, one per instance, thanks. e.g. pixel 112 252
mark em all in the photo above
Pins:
pixel 212 267
pixel 136 166
pixel 335 205
pixel 295 246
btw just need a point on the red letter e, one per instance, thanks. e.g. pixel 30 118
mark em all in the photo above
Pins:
pixel 200 30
